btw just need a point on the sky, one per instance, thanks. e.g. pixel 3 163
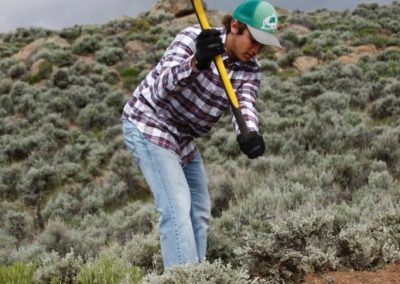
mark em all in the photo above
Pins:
pixel 58 14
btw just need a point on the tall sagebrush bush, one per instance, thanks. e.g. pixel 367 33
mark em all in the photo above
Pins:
pixel 86 44
pixel 56 269
pixel 202 273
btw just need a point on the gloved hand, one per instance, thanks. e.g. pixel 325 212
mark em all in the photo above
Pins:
pixel 208 45
pixel 252 145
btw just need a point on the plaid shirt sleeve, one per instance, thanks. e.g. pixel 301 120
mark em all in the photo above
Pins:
pixel 176 69
pixel 246 94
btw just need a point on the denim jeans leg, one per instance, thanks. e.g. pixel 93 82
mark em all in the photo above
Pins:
pixel 165 176
pixel 201 205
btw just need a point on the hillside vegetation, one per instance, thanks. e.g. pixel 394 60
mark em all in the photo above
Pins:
pixel 325 196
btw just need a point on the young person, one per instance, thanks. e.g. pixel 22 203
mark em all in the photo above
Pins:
pixel 181 99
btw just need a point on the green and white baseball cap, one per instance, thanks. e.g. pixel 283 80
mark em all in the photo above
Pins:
pixel 261 19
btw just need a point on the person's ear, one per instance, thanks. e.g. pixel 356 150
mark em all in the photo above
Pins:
pixel 234 27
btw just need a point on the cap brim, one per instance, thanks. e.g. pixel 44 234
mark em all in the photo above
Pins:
pixel 264 38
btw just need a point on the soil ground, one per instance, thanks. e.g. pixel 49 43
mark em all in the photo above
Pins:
pixel 388 275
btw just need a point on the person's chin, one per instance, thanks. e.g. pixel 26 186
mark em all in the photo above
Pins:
pixel 245 58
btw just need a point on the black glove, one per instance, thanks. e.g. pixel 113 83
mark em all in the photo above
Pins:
pixel 252 145
pixel 208 45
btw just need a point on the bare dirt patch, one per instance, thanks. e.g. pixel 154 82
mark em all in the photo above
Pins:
pixel 388 275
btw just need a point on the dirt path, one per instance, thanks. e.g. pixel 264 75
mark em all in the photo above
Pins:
pixel 389 275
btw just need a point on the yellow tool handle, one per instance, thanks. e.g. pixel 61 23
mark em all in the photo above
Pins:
pixel 222 72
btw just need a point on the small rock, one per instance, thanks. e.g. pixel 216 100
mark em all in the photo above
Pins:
pixel 214 19
pixel 178 8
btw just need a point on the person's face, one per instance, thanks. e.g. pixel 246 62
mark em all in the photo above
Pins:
pixel 243 46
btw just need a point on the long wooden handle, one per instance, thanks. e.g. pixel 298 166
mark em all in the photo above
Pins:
pixel 201 16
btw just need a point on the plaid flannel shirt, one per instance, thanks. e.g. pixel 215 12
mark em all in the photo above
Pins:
pixel 175 104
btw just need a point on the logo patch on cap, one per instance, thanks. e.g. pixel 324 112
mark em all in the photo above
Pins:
pixel 270 23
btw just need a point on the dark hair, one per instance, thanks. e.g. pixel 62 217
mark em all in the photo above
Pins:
pixel 226 22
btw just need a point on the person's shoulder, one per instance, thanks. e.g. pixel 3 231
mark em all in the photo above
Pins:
pixel 188 34
pixel 191 30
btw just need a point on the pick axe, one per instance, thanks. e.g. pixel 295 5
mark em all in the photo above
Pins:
pixel 201 16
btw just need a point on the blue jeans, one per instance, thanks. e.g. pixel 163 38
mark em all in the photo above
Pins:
pixel 180 194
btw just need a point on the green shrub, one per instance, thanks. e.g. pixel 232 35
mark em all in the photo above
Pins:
pixel 18 225
pixel 60 79
pixel 206 272
pixel 63 205
pixel 294 246
pixel 311 90
pixel 27 253
pixel 26 104
pixel 5 86
pixel 59 238
pixel 291 39
pixel 7 244
pixel 114 40
pixel 95 116
pixel 384 107
pixel 140 218
pixel 79 95
pixel 331 100
pixel 80 68
pixel 117 26
pixel 56 269
pixel 62 58
pixel 376 89
pixel 140 25
pixel 17 70
pixel 357 250
pixel 9 178
pixel 18 273
pixel 111 77
pixel 287 59
pixel 71 33
pixel 386 148
pixel 143 251
pixel 269 66
pixel 6 51
pixel 7 63
pixel 86 44
pixel 109 269
pixel 91 29
pixel 325 133
pixel 19 148
pixel 122 165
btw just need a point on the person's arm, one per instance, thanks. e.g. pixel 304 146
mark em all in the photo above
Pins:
pixel 253 144
pixel 188 54
pixel 176 64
